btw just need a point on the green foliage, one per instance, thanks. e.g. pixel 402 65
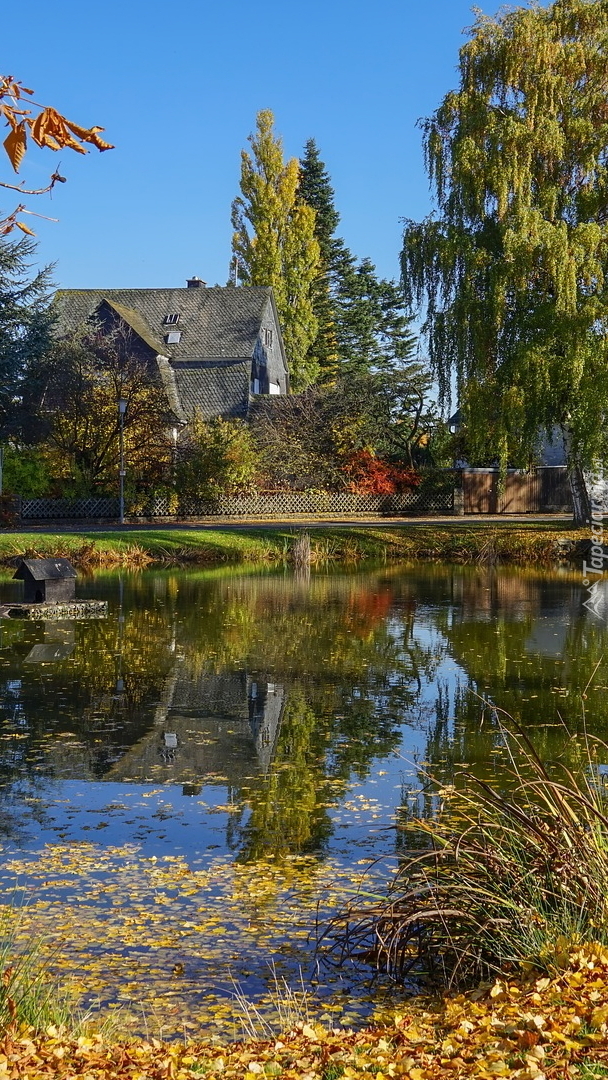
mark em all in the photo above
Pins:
pixel 218 457
pixel 274 243
pixel 372 326
pixel 317 192
pixel 513 268
pixel 25 324
pixel 26 471
pixel 363 322
pixel 78 384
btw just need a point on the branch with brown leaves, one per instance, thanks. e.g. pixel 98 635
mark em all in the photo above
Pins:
pixel 47 128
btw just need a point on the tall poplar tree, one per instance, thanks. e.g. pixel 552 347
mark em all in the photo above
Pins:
pixel 513 269
pixel 274 243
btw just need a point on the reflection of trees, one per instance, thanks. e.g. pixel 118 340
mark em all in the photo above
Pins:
pixel 342 648
pixel 288 813
pixel 525 644
pixel 349 655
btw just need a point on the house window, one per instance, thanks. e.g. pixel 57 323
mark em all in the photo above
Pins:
pixel 266 337
pixel 255 386
pixel 173 337
pixel 171 320
pixel 274 388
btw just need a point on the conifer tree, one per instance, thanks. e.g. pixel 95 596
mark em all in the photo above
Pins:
pixel 25 326
pixel 513 269
pixel 316 191
pixel 372 325
pixel 274 243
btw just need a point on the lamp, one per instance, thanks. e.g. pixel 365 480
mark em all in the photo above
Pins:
pixel 122 408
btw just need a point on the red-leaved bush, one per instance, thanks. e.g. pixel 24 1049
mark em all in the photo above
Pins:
pixel 369 475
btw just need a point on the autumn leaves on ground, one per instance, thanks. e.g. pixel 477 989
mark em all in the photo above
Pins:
pixel 547 1027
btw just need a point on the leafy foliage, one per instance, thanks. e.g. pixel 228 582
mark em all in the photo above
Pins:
pixel 513 267
pixel 308 440
pixel 372 325
pixel 363 321
pixel 217 457
pixel 26 322
pixel 316 190
pixel 274 243
pixel 372 476
pixel 76 387
pixel 47 128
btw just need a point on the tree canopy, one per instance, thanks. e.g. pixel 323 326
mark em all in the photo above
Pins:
pixel 513 266
pixel 26 322
pixel 274 243
pixel 74 394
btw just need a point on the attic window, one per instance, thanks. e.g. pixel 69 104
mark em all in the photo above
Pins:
pixel 173 337
pixel 171 320
pixel 266 336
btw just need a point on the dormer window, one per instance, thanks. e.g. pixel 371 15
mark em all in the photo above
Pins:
pixel 267 337
pixel 173 337
pixel 171 320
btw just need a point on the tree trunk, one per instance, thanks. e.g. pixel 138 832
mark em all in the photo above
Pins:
pixel 580 496
pixel 581 503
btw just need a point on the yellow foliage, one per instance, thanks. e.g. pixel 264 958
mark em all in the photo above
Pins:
pixel 47 128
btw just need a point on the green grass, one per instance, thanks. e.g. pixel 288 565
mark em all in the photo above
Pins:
pixel 30 996
pixel 462 541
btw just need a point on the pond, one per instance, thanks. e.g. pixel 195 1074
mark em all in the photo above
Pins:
pixel 190 786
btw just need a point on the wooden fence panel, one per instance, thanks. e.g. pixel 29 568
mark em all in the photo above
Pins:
pixel 543 490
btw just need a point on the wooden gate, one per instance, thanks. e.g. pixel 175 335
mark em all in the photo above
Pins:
pixel 542 490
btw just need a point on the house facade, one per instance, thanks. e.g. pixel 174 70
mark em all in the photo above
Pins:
pixel 212 349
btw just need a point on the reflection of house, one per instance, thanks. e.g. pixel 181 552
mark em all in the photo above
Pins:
pixel 207 727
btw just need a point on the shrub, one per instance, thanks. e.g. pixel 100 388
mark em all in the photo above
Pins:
pixel 370 475
pixel 499 879
pixel 218 458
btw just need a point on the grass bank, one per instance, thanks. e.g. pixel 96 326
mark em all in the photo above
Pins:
pixel 460 542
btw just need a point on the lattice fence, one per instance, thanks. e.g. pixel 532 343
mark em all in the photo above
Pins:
pixel 435 495
pixel 68 509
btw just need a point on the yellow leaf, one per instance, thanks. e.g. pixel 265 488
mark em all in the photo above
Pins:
pixel 599 1016
pixel 15 145
pixel 24 228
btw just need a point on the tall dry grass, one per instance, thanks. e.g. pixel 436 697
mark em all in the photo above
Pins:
pixel 504 875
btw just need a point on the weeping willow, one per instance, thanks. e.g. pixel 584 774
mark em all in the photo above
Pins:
pixel 512 268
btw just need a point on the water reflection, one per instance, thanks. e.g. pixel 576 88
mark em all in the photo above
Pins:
pixel 236 746
pixel 285 691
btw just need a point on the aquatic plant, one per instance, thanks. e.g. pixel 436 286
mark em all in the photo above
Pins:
pixel 506 875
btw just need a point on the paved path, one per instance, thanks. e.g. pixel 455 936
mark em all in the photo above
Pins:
pixel 301 522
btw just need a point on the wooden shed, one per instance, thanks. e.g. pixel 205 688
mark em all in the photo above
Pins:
pixel 47 580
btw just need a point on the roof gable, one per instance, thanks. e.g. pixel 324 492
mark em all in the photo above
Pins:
pixel 45 569
pixel 218 322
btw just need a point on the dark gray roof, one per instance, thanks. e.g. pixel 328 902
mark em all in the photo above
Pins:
pixel 46 569
pixel 212 387
pixel 221 322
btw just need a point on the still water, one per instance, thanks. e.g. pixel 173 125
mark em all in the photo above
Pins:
pixel 191 785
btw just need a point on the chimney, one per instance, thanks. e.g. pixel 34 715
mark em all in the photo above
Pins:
pixel 195 283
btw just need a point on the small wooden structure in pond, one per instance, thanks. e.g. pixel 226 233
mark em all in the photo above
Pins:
pixel 47 581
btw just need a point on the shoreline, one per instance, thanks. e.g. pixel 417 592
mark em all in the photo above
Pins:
pixel 541 541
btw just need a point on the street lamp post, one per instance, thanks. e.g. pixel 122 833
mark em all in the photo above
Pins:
pixel 122 408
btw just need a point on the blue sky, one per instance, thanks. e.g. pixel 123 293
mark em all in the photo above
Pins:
pixel 177 87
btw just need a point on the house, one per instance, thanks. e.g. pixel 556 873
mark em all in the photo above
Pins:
pixel 213 349
pixel 47 580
